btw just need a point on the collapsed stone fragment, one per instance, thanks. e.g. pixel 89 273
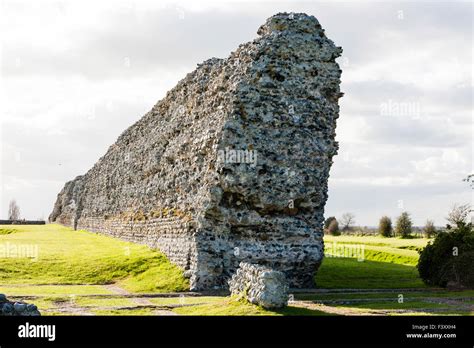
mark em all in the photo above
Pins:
pixel 260 285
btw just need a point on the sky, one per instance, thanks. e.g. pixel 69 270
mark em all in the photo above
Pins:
pixel 75 75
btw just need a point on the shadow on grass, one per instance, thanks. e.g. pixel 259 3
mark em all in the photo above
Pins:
pixel 340 273
pixel 7 231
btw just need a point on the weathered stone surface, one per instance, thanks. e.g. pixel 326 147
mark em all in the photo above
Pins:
pixel 8 308
pixel 232 165
pixel 260 285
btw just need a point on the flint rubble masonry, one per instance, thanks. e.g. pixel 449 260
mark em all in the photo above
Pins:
pixel 260 285
pixel 9 308
pixel 164 184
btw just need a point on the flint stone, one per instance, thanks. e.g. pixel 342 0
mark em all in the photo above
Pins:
pixel 8 308
pixel 19 307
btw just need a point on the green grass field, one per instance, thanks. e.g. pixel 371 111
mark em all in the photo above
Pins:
pixel 68 272
pixel 384 263
pixel 54 254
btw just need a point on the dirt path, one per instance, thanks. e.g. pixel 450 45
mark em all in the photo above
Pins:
pixel 68 307
pixel 363 291
pixel 329 309
pixel 454 306
pixel 328 305
pixel 141 301
pixel 121 291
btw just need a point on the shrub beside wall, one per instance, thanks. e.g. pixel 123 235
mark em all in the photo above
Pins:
pixel 449 259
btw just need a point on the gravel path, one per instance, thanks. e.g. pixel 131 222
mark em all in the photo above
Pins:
pixel 66 306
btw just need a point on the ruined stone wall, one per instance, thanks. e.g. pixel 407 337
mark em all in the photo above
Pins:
pixel 232 165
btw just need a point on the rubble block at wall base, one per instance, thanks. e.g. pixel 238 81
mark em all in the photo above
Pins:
pixel 232 165
pixel 8 308
pixel 260 285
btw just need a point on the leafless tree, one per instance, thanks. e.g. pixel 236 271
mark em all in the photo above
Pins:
pixel 429 230
pixel 459 213
pixel 13 211
pixel 470 180
pixel 347 220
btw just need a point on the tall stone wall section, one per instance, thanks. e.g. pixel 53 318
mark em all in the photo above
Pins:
pixel 232 165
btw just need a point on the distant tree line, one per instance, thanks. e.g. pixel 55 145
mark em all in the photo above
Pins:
pixel 403 226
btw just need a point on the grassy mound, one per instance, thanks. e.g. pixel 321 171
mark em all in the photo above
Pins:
pixel 54 254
